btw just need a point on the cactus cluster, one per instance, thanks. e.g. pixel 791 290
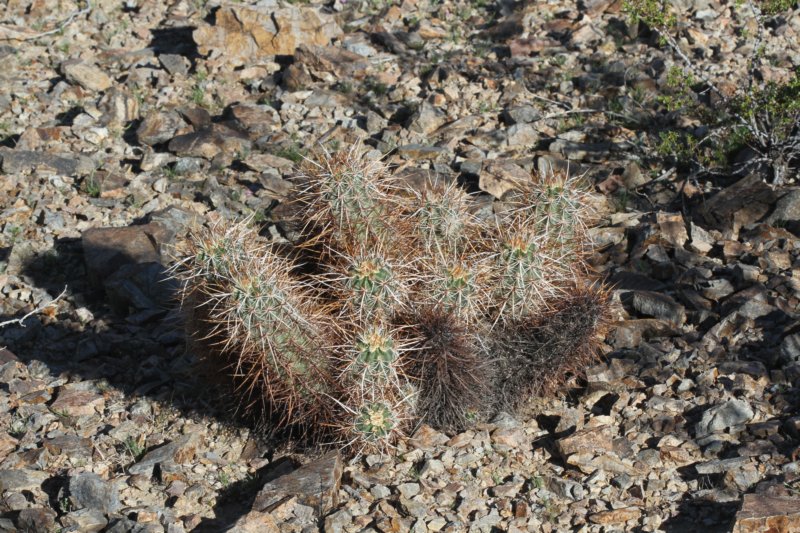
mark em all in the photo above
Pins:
pixel 396 304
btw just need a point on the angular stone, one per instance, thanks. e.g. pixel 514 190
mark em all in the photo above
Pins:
pixel 615 516
pixel 256 522
pixel 522 136
pixel 177 65
pixel 408 490
pixel 763 513
pixel 549 164
pixel 338 521
pixel 427 119
pixel 21 479
pixel 702 242
pixel 86 75
pixel 85 520
pixel 521 114
pixel 90 491
pixel 673 228
pixel 508 490
pixel 75 402
pixel 197 116
pixel 742 203
pixel 7 444
pixel 255 120
pixel 210 141
pixel 70 445
pixel 790 348
pixel 179 451
pixel 421 152
pixel 426 438
pixel 676 455
pixel 787 211
pixel 143 287
pixel 247 33
pixel 497 177
pixel 586 440
pixel 728 415
pixel 159 127
pixel 461 439
pixel 656 304
pixel 39 519
pixel 107 249
pixel 119 107
pixel 508 438
pixel 315 484
pixel 264 162
pixel 332 61
pixel 17 161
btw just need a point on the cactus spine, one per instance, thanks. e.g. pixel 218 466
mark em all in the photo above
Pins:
pixel 410 303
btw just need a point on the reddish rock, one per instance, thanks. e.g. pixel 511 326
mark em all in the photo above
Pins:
pixel 615 516
pixel 768 514
pixel 78 402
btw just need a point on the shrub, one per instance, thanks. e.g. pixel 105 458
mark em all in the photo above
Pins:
pixel 762 116
pixel 395 304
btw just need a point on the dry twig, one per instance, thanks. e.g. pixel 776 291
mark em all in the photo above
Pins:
pixel 21 321
pixel 19 37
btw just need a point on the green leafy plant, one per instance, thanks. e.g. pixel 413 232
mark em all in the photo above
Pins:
pixel 762 116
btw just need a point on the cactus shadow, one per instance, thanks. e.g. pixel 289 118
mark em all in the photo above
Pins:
pixel 128 333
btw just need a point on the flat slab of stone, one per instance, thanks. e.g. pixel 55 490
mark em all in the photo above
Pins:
pixel 315 484
pixel 179 451
pixel 246 33
pixel 16 161
pixel 107 249
pixel 776 514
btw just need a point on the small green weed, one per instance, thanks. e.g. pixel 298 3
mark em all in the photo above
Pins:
pixel 133 447
pixel 92 187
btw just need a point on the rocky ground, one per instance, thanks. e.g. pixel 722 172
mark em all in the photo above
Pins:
pixel 138 119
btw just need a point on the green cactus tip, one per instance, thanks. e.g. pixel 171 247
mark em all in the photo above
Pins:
pixel 375 348
pixel 375 421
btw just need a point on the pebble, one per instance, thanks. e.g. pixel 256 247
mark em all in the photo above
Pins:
pixel 106 124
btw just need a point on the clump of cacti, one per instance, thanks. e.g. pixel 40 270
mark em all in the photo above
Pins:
pixel 396 304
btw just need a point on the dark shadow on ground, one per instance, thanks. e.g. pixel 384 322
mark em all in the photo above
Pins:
pixel 176 41
pixel 127 344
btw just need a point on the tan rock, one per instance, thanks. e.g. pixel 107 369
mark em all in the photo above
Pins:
pixel 245 33
pixel 673 228
pixel 511 438
pixel 586 440
pixel 78 402
pixel 615 516
pixel 331 60
pixel 256 522
pixel 500 176
pixel 427 438
pixel 86 75
pixel 7 444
